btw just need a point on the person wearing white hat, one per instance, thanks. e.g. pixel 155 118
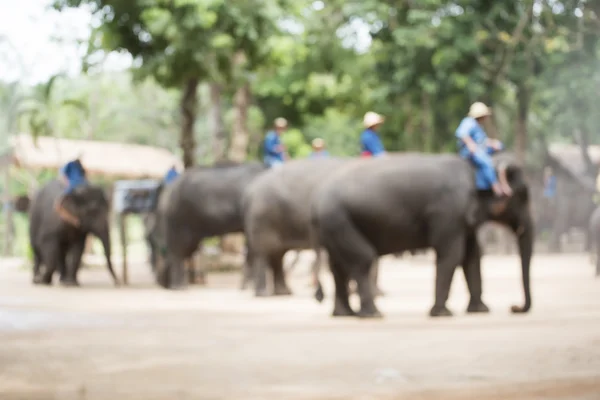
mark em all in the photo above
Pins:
pixel 319 150
pixel 475 146
pixel 274 150
pixel 73 175
pixel 370 143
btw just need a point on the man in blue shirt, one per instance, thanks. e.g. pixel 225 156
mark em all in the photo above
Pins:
pixel 370 143
pixel 274 150
pixel 171 175
pixel 73 175
pixel 475 146
pixel 319 151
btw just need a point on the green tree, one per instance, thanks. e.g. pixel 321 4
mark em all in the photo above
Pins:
pixel 183 42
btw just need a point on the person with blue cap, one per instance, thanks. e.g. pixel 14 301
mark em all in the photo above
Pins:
pixel 73 175
pixel 171 174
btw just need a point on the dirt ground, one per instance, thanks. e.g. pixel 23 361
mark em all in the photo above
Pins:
pixel 216 342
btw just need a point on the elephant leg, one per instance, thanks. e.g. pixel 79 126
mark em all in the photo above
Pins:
pixel 54 255
pixel 37 262
pixel 69 278
pixel 176 272
pixel 471 267
pixel 365 286
pixel 375 279
pixel 450 254
pixel 190 266
pixel 342 297
pixel 280 287
pixel 247 270
pixel 259 269
pixel 588 242
pixel 596 251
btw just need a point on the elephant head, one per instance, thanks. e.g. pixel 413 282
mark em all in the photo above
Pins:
pixel 515 213
pixel 90 205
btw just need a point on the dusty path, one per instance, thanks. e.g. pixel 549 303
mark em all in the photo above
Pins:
pixel 97 342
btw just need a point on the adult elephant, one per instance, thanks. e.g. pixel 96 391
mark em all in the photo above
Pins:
pixel 58 244
pixel 570 211
pixel 410 202
pixel 594 234
pixel 202 202
pixel 277 217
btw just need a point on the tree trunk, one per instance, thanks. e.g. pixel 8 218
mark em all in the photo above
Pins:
pixel 189 104
pixel 216 117
pixel 238 151
pixel 521 128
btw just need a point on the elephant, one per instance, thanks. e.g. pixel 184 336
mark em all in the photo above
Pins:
pixel 277 217
pixel 59 245
pixel 415 201
pixel 594 233
pixel 194 275
pixel 204 201
pixel 568 211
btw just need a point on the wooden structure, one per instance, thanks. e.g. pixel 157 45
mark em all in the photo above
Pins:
pixel 108 159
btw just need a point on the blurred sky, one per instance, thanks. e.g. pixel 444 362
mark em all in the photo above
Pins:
pixel 30 53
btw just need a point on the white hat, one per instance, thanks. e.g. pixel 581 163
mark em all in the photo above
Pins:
pixel 280 122
pixel 479 110
pixel 318 142
pixel 372 118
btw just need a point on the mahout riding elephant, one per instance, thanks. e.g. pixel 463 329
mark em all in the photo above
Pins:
pixel 204 201
pixel 277 217
pixel 594 234
pixel 59 245
pixel 415 201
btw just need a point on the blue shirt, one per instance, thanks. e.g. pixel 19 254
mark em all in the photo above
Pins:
pixel 170 175
pixel 272 141
pixel 371 143
pixel 550 188
pixel 318 154
pixel 74 173
pixel 471 128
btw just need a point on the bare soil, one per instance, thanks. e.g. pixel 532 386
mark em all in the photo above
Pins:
pixel 216 342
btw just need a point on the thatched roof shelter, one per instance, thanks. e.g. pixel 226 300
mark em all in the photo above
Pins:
pixel 119 160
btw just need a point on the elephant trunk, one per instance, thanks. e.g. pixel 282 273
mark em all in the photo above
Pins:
pixel 104 235
pixel 525 237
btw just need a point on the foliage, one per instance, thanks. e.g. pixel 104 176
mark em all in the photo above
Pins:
pixel 295 143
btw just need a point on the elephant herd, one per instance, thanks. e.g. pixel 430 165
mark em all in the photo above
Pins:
pixel 355 210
